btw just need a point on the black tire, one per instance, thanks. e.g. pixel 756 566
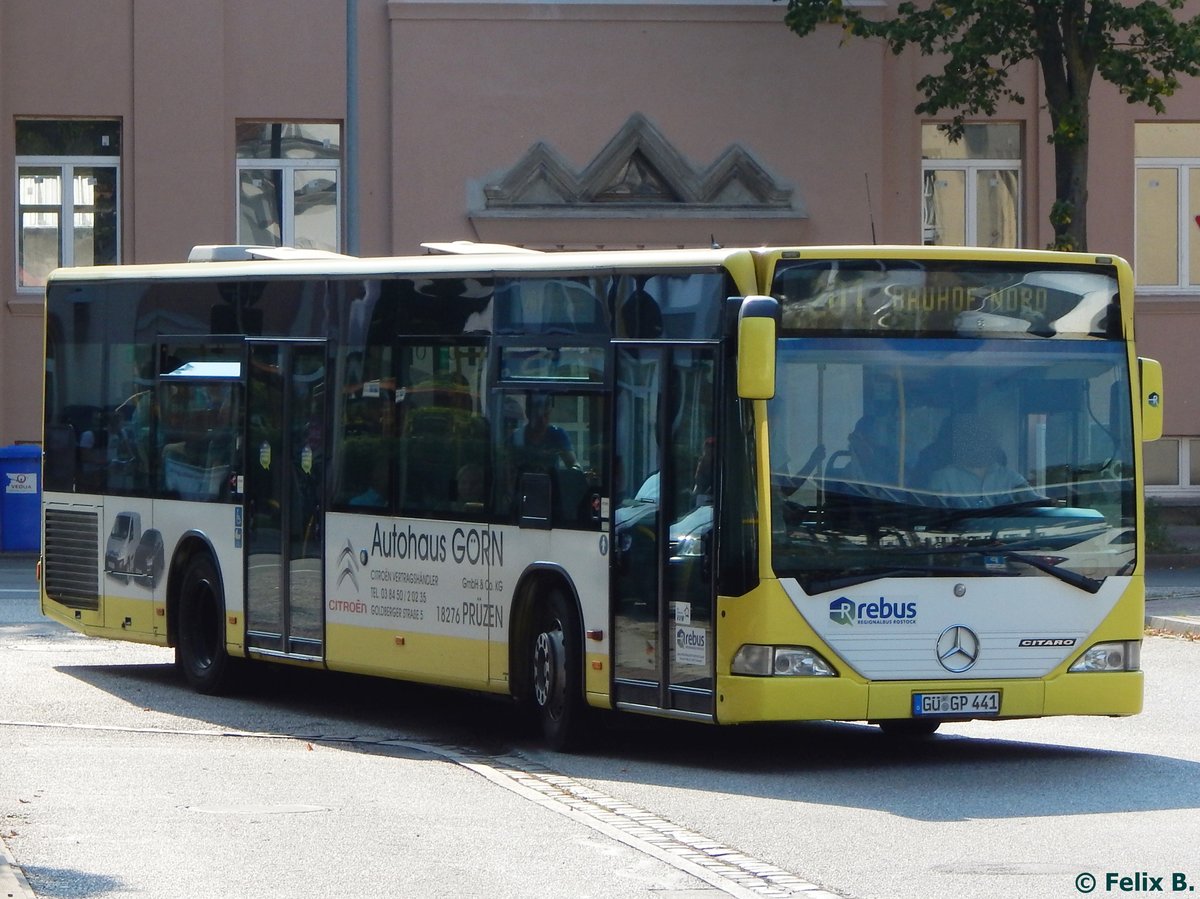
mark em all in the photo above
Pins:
pixel 200 643
pixel 909 728
pixel 556 662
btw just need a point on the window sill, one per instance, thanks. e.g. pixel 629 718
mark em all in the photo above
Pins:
pixel 1168 293
pixel 27 303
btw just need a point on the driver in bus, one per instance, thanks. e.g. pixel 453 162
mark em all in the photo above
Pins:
pixel 977 475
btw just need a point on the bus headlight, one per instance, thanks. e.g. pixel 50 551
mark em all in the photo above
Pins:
pixel 1123 656
pixel 780 661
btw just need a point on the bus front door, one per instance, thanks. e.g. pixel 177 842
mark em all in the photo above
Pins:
pixel 663 534
pixel 284 498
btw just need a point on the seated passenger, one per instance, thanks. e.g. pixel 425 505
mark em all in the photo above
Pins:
pixel 541 446
pixel 366 472
pixel 470 488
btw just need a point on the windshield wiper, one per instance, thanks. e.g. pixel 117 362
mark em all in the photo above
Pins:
pixel 1074 578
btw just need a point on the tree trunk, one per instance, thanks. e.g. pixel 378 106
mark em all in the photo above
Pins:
pixel 1068 62
pixel 1069 212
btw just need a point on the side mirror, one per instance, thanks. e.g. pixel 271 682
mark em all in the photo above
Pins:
pixel 757 331
pixel 1151 377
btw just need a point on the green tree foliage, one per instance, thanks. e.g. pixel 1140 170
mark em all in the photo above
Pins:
pixel 1143 48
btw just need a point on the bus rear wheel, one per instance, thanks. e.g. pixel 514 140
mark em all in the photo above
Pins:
pixel 200 642
pixel 557 688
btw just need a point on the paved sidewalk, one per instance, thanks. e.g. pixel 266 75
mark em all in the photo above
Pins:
pixel 13 884
pixel 1173 596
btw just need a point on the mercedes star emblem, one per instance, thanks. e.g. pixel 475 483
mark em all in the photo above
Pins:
pixel 957 648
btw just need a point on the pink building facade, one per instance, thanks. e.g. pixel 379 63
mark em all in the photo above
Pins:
pixel 134 131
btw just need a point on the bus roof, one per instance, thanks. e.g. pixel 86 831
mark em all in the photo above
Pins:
pixel 464 264
pixel 907 251
pixel 466 259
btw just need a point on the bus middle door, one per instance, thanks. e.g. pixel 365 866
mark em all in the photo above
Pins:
pixel 284 498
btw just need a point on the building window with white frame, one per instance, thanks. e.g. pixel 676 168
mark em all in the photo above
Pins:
pixel 289 184
pixel 68 196
pixel 1172 463
pixel 1167 241
pixel 971 188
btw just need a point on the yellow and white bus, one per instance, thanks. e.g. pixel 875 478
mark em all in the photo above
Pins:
pixel 898 485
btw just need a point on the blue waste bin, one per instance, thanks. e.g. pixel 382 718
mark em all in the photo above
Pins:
pixel 21 498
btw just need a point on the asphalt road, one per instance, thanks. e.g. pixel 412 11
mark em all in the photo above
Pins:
pixel 115 780
pixel 120 782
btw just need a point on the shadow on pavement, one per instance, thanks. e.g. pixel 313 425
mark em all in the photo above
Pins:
pixel 945 778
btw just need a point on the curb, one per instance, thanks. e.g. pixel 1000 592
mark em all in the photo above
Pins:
pixel 1173 560
pixel 13 884
pixel 1174 624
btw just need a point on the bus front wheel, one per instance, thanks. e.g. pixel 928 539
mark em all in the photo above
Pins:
pixel 200 643
pixel 557 689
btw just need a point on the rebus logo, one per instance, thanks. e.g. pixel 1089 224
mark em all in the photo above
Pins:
pixel 841 610
pixel 844 610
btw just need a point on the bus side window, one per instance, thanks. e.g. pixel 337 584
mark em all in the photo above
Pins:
pixel 469 453
pixel 429 461
pixel 445 461
pixel 641 316
pixel 365 472
pixel 60 458
pixel 562 438
pixel 470 488
pixel 570 489
pixel 572 308
pixel 550 306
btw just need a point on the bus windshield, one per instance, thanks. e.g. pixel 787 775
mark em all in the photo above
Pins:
pixel 895 457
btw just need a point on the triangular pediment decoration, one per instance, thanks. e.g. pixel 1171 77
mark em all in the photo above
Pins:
pixel 637 181
pixel 638 169
pixel 737 179
pixel 541 178
pixel 640 143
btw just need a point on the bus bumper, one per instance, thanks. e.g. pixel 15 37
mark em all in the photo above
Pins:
pixel 743 699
